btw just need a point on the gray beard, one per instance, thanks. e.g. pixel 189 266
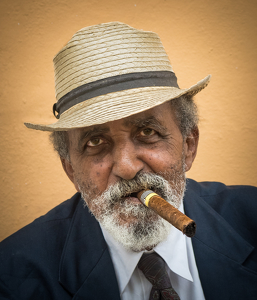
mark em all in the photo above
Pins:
pixel 143 228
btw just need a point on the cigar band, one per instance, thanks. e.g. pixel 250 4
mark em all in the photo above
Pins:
pixel 146 196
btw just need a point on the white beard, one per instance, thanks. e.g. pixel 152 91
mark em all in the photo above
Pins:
pixel 135 226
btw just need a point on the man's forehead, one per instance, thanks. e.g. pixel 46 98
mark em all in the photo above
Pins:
pixel 153 116
pixel 138 121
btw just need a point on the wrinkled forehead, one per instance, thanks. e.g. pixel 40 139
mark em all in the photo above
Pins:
pixel 160 118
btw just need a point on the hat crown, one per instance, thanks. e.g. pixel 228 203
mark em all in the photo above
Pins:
pixel 106 50
pixel 111 71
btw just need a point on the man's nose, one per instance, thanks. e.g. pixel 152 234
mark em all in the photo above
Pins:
pixel 126 163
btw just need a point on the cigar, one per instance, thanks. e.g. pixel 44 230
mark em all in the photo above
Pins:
pixel 168 212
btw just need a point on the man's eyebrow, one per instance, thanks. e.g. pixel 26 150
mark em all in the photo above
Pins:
pixel 143 122
pixel 96 130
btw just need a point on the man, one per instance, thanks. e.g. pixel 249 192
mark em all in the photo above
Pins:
pixel 125 126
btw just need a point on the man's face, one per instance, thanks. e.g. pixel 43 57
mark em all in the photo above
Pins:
pixel 119 151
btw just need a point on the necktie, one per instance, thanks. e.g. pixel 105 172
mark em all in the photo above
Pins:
pixel 153 267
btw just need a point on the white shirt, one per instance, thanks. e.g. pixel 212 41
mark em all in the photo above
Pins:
pixel 177 251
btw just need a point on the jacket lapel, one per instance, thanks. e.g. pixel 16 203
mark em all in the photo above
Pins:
pixel 86 270
pixel 219 251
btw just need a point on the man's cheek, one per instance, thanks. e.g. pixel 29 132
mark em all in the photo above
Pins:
pixel 87 186
pixel 158 161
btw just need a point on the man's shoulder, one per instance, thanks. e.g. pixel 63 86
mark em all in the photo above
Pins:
pixel 213 188
pixel 41 240
pixel 223 197
pixel 237 204
pixel 31 256
pixel 218 195
pixel 61 215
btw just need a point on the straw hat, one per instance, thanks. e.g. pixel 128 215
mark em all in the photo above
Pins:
pixel 111 71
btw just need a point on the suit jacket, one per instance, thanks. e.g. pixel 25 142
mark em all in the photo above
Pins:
pixel 63 254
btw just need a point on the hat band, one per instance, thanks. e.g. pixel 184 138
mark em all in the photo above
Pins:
pixel 113 84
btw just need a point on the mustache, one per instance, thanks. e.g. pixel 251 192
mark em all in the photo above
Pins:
pixel 130 188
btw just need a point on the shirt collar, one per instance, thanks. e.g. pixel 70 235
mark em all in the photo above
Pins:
pixel 173 251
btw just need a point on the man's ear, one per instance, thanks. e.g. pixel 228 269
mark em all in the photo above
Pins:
pixel 190 148
pixel 67 167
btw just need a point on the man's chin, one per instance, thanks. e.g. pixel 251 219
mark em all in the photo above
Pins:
pixel 127 221
pixel 136 234
pixel 132 200
pixel 131 223
pixel 132 212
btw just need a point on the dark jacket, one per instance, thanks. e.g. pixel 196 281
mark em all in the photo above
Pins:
pixel 63 254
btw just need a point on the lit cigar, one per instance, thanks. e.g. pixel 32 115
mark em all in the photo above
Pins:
pixel 168 212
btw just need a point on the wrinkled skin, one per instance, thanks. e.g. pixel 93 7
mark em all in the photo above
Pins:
pixel 149 141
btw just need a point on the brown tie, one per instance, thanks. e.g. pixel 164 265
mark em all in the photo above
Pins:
pixel 153 267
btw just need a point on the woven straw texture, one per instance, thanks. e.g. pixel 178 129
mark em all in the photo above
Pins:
pixel 106 50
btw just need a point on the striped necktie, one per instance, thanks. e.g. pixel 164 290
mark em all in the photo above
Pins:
pixel 153 267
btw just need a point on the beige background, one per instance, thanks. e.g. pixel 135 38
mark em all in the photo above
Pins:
pixel 200 36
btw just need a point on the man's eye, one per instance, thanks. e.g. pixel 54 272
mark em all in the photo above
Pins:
pixel 147 132
pixel 94 142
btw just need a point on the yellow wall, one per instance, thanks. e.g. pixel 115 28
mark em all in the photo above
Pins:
pixel 200 36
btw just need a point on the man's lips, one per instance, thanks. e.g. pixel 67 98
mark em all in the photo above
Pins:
pixel 132 198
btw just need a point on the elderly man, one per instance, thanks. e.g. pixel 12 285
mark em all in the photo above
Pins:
pixel 124 126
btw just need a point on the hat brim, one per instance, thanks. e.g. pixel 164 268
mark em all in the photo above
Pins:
pixel 117 105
